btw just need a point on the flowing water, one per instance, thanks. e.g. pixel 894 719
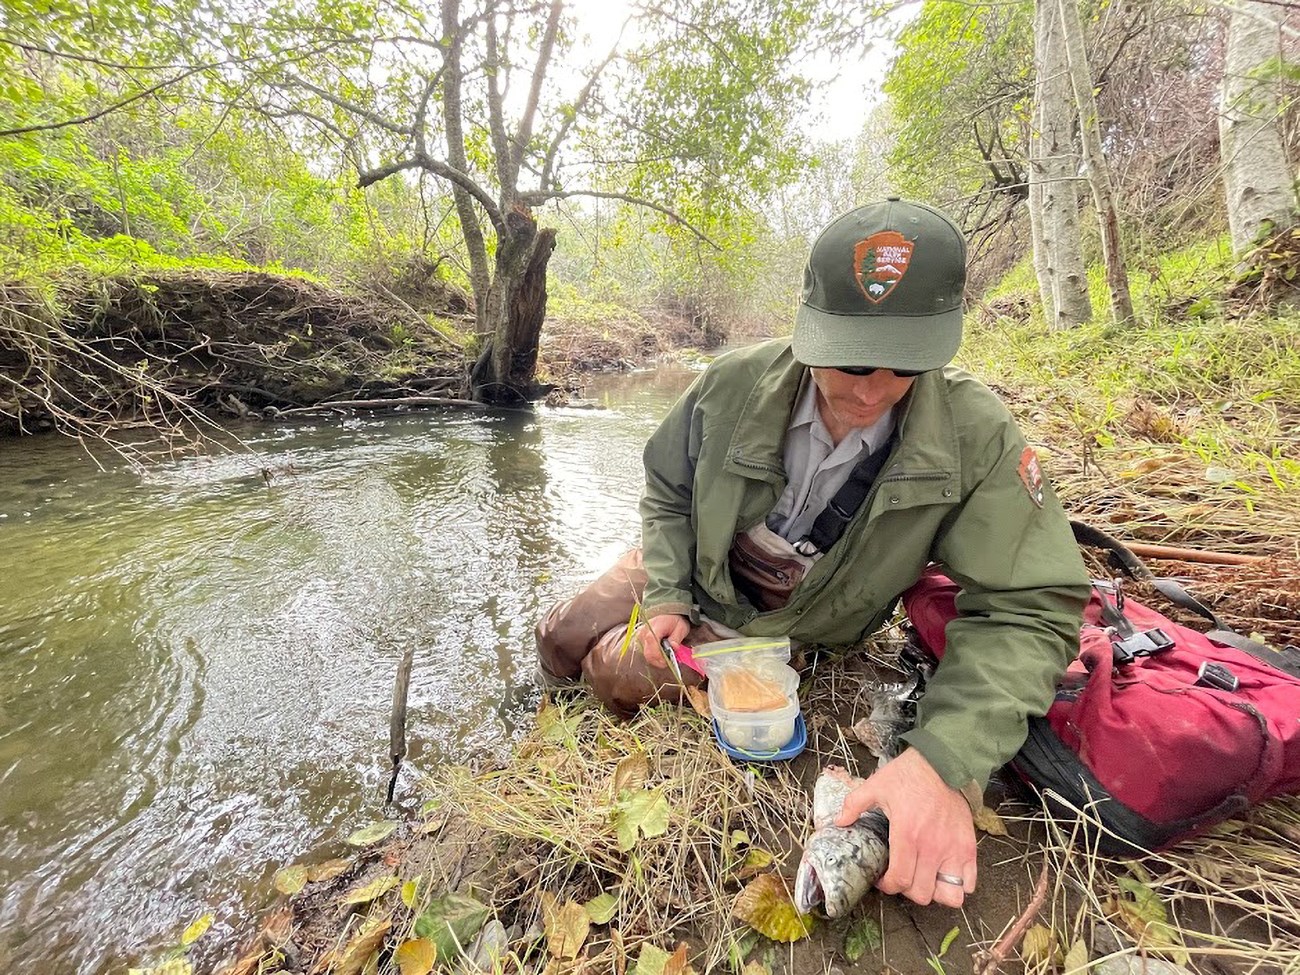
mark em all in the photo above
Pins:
pixel 196 666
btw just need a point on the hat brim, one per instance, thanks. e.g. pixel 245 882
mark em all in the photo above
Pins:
pixel 913 343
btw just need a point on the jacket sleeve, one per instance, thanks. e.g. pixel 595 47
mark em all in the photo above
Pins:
pixel 1023 590
pixel 667 531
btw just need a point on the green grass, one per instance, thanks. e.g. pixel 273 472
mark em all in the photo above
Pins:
pixel 1193 405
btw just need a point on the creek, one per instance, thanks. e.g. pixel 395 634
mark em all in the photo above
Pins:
pixel 196 665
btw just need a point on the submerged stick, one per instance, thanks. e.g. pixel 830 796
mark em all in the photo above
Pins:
pixel 386 404
pixel 397 724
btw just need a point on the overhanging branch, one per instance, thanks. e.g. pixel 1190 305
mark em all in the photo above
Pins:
pixel 537 197
pixel 438 168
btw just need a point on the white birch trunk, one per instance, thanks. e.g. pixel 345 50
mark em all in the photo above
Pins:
pixel 1257 175
pixel 1103 195
pixel 1054 169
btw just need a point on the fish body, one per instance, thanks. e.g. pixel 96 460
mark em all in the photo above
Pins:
pixel 839 863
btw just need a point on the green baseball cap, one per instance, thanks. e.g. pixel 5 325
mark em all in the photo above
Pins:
pixel 883 287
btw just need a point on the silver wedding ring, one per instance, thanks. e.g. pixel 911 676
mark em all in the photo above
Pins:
pixel 947 878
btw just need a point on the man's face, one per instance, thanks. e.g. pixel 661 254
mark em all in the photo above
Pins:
pixel 848 401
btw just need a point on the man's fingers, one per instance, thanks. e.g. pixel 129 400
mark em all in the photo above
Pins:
pixel 859 800
pixel 925 881
pixel 902 867
pixel 954 895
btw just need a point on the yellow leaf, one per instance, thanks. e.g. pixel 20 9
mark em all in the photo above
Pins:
pixel 177 966
pixel 290 880
pixel 602 908
pixel 416 957
pixel 678 962
pixel 566 926
pixel 1037 948
pixel 631 773
pixel 756 861
pixel 365 894
pixel 409 891
pixel 765 905
pixel 990 822
pixel 372 833
pixel 699 701
pixel 195 930
pixel 328 870
pixel 756 968
pixel 650 961
pixel 351 959
pixel 1076 959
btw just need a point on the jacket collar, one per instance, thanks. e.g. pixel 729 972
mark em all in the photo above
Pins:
pixel 927 431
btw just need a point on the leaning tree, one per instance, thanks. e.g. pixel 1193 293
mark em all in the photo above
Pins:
pixel 512 107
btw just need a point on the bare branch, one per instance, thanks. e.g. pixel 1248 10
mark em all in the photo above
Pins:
pixel 496 115
pixel 352 108
pixel 81 120
pixel 438 168
pixel 579 103
pixel 538 197
pixel 525 132
pixel 422 113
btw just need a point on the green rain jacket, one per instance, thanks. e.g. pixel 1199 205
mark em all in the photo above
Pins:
pixel 951 493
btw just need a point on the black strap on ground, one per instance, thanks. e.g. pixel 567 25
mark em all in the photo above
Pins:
pixel 839 511
pixel 1123 558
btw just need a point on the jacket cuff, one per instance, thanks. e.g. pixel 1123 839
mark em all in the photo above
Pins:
pixel 944 760
pixel 668 609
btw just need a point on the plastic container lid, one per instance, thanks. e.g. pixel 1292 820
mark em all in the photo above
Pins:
pixel 792 748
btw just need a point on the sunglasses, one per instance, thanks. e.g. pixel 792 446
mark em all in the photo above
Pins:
pixel 868 370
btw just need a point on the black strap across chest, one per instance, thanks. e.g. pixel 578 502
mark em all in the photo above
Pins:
pixel 830 525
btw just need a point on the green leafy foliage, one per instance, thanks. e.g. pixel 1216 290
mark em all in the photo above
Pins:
pixel 643 812
pixel 863 936
pixel 450 921
pixel 959 92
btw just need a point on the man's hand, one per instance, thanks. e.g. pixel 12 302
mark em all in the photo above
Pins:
pixel 931 831
pixel 656 629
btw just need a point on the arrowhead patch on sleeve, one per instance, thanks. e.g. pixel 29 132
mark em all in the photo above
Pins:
pixel 1031 475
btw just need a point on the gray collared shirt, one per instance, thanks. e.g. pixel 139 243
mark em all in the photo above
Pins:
pixel 815 465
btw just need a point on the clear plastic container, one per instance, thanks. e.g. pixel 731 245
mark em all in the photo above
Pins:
pixel 759 732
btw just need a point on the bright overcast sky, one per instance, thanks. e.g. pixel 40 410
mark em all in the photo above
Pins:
pixel 845 95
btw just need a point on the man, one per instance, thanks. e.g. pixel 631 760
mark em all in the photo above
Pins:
pixel 797 488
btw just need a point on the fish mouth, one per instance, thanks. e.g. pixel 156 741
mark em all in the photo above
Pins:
pixel 808 892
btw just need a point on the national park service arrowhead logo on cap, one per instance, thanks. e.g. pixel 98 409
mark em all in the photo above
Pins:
pixel 883 287
pixel 879 263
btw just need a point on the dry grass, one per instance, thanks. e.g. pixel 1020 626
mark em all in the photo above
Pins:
pixel 553 806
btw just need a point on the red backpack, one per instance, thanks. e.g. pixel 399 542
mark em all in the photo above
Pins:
pixel 1157 730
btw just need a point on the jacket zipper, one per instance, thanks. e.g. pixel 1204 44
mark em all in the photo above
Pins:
pixel 928 476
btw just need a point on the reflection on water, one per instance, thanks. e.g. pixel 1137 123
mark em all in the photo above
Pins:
pixel 196 668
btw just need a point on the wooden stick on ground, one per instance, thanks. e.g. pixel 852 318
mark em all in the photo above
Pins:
pixel 1149 551
pixel 996 955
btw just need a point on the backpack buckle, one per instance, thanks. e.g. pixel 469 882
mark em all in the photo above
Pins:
pixel 1126 649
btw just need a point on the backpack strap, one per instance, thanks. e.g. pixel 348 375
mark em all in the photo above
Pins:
pixel 830 525
pixel 1123 558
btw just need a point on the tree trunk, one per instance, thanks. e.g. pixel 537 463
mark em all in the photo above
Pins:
pixel 1256 173
pixel 1063 278
pixel 1103 196
pixel 1039 242
pixel 506 370
pixel 469 220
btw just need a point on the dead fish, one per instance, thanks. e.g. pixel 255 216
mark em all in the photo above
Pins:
pixel 839 864
pixel 891 711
